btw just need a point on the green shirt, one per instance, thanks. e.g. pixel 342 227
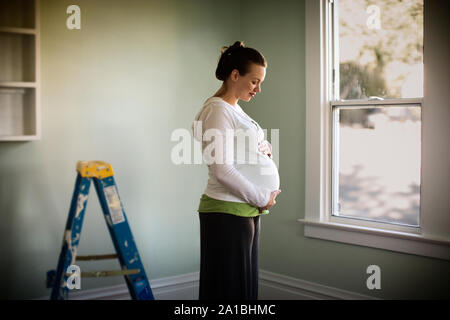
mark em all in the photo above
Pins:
pixel 242 209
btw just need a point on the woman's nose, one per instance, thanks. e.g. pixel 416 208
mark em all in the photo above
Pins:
pixel 258 89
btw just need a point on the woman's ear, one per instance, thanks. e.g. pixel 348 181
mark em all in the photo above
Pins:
pixel 234 76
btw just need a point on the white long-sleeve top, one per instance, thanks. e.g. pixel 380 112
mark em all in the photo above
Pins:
pixel 231 178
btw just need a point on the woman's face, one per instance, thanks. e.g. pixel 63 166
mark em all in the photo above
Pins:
pixel 248 85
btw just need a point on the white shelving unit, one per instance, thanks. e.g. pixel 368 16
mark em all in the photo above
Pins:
pixel 19 70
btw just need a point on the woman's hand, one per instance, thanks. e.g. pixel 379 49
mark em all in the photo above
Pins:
pixel 271 202
pixel 266 148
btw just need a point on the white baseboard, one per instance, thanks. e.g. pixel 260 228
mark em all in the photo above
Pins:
pixel 183 287
pixel 272 286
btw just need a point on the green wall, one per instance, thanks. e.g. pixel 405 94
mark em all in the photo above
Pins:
pixel 115 91
pixel 278 29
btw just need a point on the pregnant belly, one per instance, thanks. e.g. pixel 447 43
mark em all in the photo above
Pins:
pixel 264 173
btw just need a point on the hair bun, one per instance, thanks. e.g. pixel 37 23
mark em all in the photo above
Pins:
pixel 238 44
pixel 234 46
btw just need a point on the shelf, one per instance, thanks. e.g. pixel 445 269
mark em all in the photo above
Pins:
pixel 19 70
pixel 19 138
pixel 17 84
pixel 17 30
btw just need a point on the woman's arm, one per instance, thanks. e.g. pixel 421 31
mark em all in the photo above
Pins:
pixel 220 120
pixel 240 186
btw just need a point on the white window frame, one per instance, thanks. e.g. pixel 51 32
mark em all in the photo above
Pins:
pixel 431 239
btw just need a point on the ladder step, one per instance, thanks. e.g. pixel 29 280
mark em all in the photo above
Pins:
pixel 107 273
pixel 97 257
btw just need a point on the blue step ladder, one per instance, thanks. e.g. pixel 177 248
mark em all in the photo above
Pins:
pixel 126 251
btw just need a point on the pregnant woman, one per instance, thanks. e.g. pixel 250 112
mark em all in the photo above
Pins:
pixel 243 179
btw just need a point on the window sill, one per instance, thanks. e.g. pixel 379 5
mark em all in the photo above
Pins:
pixel 382 239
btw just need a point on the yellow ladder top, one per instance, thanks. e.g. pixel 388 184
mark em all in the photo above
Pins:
pixel 94 169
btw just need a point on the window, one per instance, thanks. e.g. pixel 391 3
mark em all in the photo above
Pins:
pixel 372 174
pixel 377 55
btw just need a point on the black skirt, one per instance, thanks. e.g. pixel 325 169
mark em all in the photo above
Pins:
pixel 229 256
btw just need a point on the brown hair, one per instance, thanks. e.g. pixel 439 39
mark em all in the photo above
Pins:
pixel 237 57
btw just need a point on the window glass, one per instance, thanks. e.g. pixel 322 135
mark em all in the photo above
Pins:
pixel 380 48
pixel 377 163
